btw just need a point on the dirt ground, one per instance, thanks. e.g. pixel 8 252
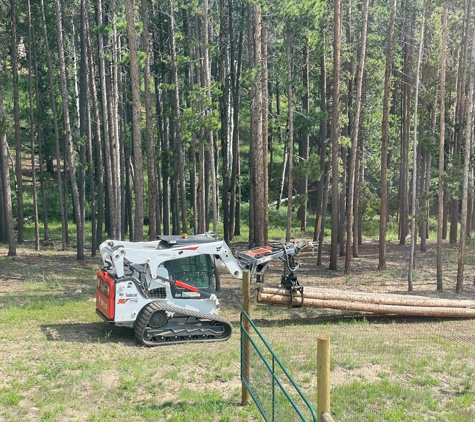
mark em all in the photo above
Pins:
pixel 51 262
pixel 70 277
pixel 365 276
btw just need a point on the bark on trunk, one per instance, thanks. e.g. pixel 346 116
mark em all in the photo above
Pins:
pixel 32 125
pixel 68 137
pixel 354 139
pixel 5 180
pixel 59 177
pixel 335 134
pixel 383 219
pixel 16 117
pixel 290 94
pixel 136 132
pixel 466 171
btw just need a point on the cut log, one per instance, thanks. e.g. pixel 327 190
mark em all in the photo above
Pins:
pixel 375 298
pixel 437 311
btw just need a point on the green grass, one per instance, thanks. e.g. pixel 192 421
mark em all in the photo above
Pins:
pixel 55 350
pixel 60 362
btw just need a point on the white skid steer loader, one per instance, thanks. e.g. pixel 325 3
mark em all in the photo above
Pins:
pixel 165 289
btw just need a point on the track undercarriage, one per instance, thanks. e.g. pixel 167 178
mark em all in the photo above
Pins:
pixel 162 324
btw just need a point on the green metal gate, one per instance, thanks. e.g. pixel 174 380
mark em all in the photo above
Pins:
pixel 271 387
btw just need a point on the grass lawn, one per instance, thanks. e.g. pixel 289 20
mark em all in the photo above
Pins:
pixel 60 362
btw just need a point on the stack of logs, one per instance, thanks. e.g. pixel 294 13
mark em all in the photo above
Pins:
pixel 378 303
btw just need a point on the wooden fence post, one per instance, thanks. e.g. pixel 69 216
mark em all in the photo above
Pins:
pixel 323 375
pixel 246 306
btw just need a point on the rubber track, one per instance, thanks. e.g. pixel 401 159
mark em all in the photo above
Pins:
pixel 153 307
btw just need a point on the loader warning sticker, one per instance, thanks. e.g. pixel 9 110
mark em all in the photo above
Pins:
pixel 124 301
pixel 103 286
pixel 190 294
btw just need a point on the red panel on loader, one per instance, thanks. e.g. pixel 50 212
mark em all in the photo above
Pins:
pixel 257 252
pixel 105 294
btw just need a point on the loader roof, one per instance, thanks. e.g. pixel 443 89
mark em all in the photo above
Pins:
pixel 176 240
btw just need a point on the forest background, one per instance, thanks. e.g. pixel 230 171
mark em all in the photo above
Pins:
pixel 156 117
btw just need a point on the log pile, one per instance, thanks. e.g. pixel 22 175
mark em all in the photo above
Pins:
pixel 378 303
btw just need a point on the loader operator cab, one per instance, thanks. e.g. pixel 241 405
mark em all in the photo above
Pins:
pixel 196 271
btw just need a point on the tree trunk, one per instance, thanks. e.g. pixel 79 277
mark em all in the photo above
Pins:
pixel 459 119
pixel 207 85
pixel 466 170
pixel 264 166
pixel 86 116
pixel 85 123
pixel 136 132
pixel 383 218
pixel 258 208
pixel 282 141
pixel 304 138
pixel 224 107
pixel 319 223
pixel 335 133
pixel 354 139
pixel 357 213
pixel 32 125
pixel 380 304
pixel 5 180
pixel 16 117
pixel 236 61
pixel 112 200
pixel 79 122
pixel 113 86
pixel 95 161
pixel 69 141
pixel 176 136
pixel 414 150
pixel 406 123
pixel 62 207
pixel 372 297
pixel 39 131
pixel 290 97
pixel 160 38
pixel 152 179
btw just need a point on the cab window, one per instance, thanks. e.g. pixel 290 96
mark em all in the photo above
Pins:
pixel 196 270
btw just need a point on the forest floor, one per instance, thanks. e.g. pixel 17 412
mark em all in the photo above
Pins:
pixel 54 348
pixel 364 275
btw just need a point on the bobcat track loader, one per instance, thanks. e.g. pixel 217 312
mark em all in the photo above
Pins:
pixel 165 289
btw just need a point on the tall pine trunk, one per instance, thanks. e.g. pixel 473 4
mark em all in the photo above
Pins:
pixel 68 135
pixel 16 117
pixel 383 218
pixel 290 97
pixel 176 136
pixel 151 160
pixel 305 137
pixel 335 133
pixel 136 132
pixel 354 139
pixel 466 169
pixel 415 147
pixel 59 178
pixel 112 201
pixel 32 126
pixel 5 181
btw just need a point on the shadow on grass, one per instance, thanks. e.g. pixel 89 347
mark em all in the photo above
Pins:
pixel 94 332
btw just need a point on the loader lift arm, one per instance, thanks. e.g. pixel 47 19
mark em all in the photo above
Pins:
pixel 257 260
